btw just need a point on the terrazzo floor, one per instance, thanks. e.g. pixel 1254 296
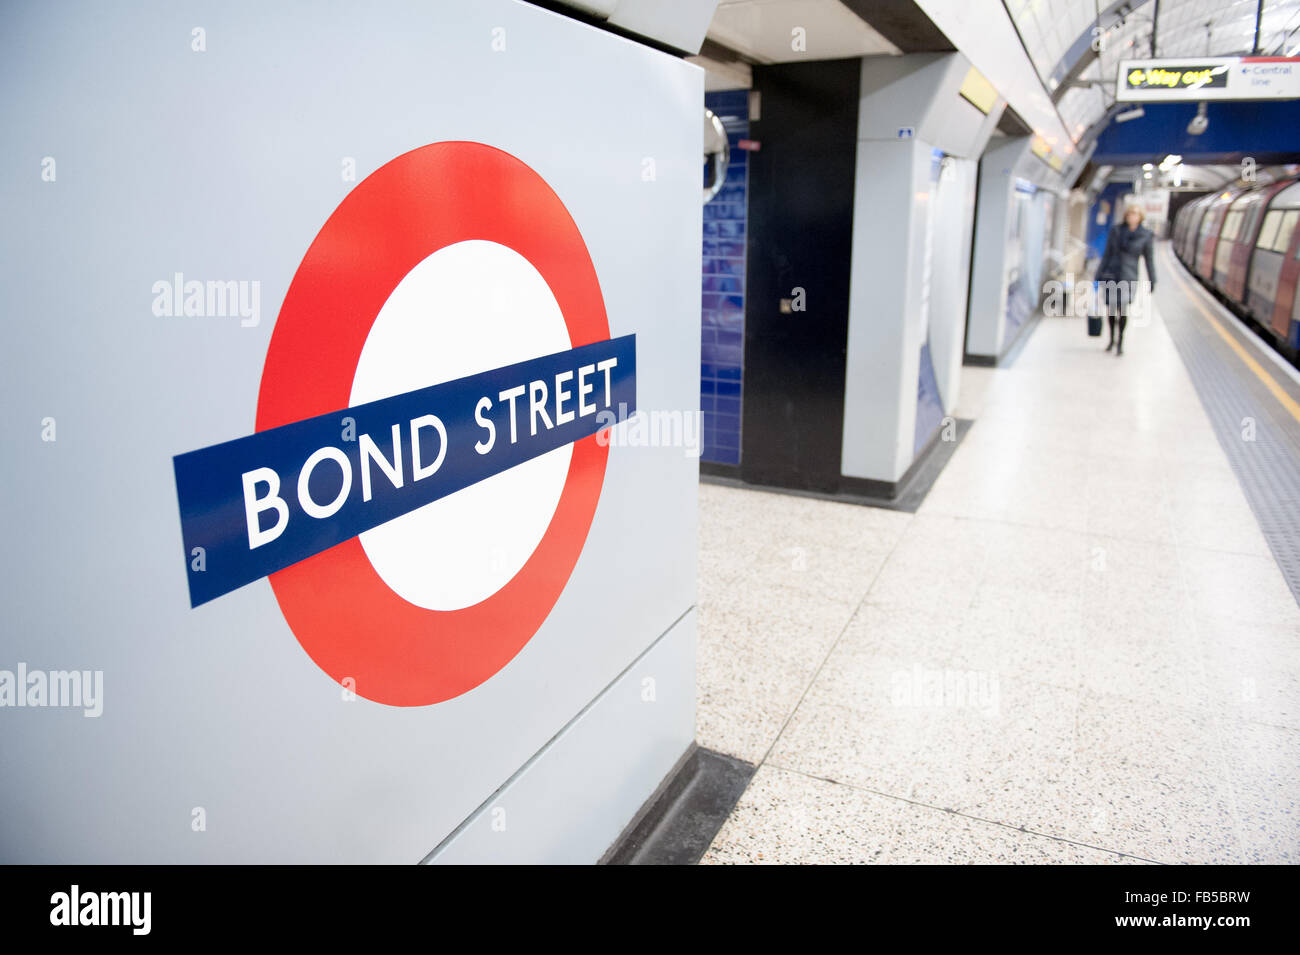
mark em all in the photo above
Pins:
pixel 1078 650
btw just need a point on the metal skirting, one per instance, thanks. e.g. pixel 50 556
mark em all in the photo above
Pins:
pixel 1012 351
pixel 678 825
pixel 1268 466
pixel 907 494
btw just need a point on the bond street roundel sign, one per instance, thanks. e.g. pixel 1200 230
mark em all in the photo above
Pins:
pixel 427 455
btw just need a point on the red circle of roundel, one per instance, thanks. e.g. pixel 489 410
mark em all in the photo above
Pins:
pixel 344 615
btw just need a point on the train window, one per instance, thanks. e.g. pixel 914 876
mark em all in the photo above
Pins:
pixel 1230 226
pixel 1268 232
pixel 1285 230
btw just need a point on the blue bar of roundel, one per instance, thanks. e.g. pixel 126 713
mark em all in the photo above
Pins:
pixel 209 482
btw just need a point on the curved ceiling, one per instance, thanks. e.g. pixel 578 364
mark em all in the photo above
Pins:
pixel 1076 45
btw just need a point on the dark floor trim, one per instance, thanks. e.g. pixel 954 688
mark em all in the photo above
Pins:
pixel 719 470
pixel 1018 343
pixel 892 490
pixel 678 823
pixel 1011 352
pixel 906 495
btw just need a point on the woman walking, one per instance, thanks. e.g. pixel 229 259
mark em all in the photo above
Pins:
pixel 1117 274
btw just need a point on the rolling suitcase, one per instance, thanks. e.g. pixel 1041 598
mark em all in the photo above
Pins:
pixel 1094 314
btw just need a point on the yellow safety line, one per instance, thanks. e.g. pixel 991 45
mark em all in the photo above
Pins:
pixel 1287 402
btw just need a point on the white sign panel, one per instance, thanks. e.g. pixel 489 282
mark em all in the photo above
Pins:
pixel 1208 78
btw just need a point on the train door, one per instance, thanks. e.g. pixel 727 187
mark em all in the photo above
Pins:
pixel 1209 235
pixel 1269 257
pixel 1286 306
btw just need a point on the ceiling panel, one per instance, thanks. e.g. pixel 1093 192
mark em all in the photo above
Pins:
pixel 1051 29
pixel 1053 32
pixel 763 30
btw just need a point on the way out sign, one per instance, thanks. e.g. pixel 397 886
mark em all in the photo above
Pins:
pixel 425 467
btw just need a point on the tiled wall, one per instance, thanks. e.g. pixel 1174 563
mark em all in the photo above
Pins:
pixel 722 347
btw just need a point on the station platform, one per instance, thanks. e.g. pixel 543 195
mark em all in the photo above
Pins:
pixel 1083 646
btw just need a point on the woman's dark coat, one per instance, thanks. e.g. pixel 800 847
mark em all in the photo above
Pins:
pixel 1119 263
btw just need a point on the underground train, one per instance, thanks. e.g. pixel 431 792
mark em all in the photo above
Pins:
pixel 1243 244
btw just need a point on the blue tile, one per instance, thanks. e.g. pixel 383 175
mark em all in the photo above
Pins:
pixel 727 100
pixel 722 301
pixel 729 406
